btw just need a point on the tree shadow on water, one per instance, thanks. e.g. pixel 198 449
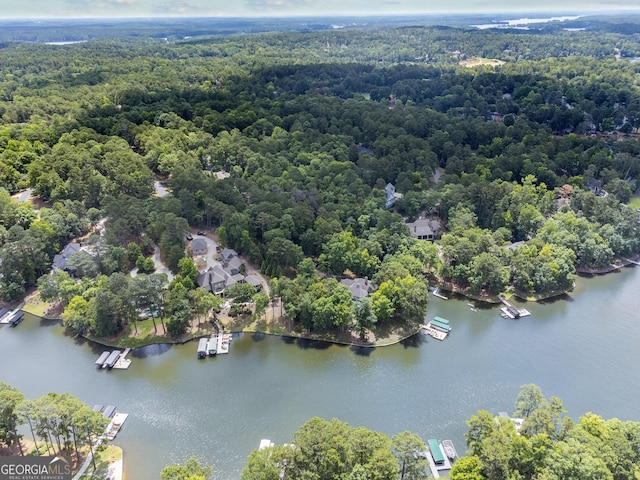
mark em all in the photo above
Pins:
pixel 362 351
pixel 414 341
pixel 258 337
pixel 307 344
pixel 151 350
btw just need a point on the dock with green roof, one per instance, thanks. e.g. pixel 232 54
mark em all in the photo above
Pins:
pixel 438 328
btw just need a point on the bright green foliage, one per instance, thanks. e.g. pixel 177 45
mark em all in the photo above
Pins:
pixel 191 470
pixel 548 445
pixel 326 449
pixel 408 449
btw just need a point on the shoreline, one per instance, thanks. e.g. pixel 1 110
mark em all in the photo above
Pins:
pixel 493 300
pixel 386 342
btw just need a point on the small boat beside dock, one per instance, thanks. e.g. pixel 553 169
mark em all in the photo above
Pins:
pixel 449 450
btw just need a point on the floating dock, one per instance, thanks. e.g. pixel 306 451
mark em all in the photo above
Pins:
pixel 265 443
pixel 123 362
pixel 115 425
pixel 212 347
pixel 436 293
pixel 223 342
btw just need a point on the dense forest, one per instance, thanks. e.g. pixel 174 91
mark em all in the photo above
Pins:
pixel 539 442
pixel 284 143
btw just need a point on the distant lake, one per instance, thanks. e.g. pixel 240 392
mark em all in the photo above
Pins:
pixel 70 42
pixel 523 22
pixel 583 349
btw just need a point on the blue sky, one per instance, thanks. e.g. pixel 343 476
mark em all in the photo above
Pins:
pixel 199 8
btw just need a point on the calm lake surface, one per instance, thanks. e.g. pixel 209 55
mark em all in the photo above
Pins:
pixel 584 349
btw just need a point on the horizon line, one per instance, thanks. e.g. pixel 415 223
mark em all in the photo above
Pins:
pixel 502 13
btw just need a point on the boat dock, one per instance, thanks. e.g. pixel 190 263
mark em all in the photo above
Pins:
pixel 202 348
pixel 436 293
pixel 11 317
pixel 440 456
pixel 265 443
pixel 438 328
pixel 509 311
pixel 115 359
pixel 123 362
pixel 115 425
pixel 216 345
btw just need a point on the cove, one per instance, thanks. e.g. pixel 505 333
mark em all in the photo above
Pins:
pixel 582 348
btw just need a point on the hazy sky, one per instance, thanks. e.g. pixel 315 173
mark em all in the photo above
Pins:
pixel 154 8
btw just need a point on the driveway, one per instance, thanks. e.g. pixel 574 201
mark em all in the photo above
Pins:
pixel 161 190
pixel 160 267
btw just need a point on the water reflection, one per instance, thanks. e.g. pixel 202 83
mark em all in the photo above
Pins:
pixel 362 351
pixel 151 350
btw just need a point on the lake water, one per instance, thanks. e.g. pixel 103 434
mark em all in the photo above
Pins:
pixel 584 349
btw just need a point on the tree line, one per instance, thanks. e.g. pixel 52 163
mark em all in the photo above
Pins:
pixel 59 424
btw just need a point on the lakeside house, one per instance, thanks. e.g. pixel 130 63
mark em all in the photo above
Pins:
pixel 359 287
pixel 60 260
pixel 218 278
pixel 424 229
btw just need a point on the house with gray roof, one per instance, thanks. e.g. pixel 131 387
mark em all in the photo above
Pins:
pixel 391 195
pixel 60 260
pixel 359 287
pixel 216 279
pixel 424 229
pixel 198 247
pixel 227 254
pixel 220 277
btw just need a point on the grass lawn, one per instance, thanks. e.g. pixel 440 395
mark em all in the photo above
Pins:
pixel 35 306
pixel 635 202
pixel 104 458
pixel 147 336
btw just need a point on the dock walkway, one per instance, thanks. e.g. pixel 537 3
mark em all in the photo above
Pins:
pixel 511 311
pixel 123 362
